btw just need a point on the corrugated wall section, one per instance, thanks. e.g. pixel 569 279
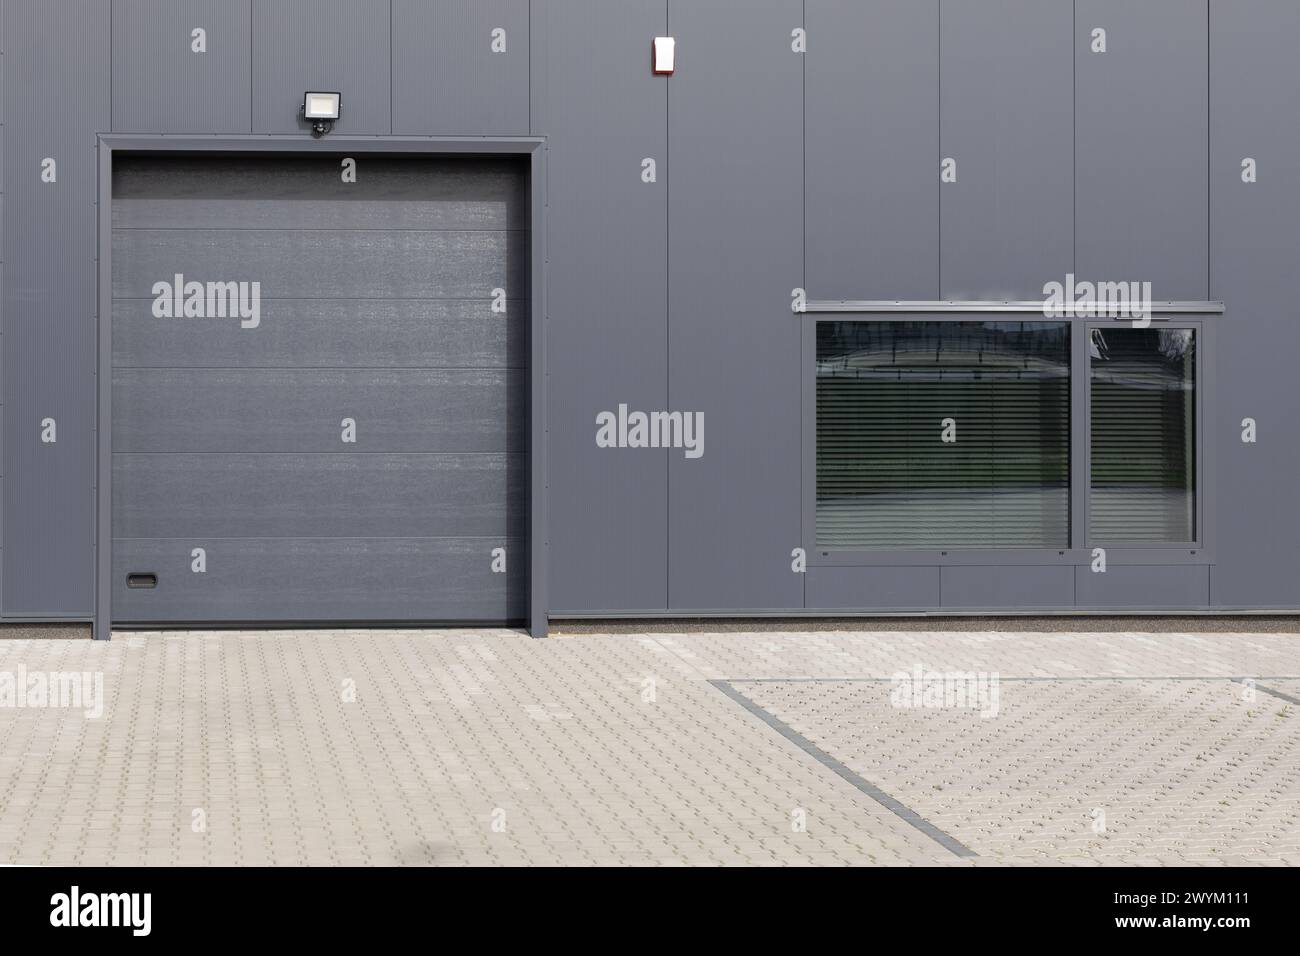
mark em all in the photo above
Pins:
pixel 605 116
pixel 56 96
pixel 735 244
pixel 774 169
pixel 1254 238
pixel 3 115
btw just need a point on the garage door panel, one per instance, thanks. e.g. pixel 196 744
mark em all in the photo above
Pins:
pixel 375 305
pixel 329 495
pixel 322 579
pixel 314 333
pixel 324 263
pixel 302 410
pixel 317 180
pixel 361 214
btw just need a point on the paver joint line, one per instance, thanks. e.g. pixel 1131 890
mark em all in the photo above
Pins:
pixel 1269 690
pixel 901 811
pixel 1022 680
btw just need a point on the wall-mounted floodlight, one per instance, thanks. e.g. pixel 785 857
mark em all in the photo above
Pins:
pixel 321 110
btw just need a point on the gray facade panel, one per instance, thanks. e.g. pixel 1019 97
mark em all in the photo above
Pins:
pixel 454 73
pixel 892 87
pixel 872 194
pixel 1253 255
pixel 1153 586
pixel 875 589
pixel 1022 587
pixel 301 45
pixel 163 84
pixel 733 343
pixel 55 96
pixel 607 328
pixel 1141 136
pixel 1006 224
pixel 320 579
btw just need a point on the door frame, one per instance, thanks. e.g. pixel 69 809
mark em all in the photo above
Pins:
pixel 533 147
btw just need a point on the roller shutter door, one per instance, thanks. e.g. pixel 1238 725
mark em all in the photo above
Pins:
pixel 346 440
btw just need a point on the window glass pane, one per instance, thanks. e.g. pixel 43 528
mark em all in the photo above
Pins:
pixel 1143 427
pixel 885 476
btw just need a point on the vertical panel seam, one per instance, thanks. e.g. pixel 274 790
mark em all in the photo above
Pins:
pixel 4 42
pixel 1208 174
pixel 668 327
pixel 529 85
pixel 252 29
pixel 392 88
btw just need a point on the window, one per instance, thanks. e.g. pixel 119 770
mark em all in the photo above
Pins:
pixel 1142 436
pixel 942 434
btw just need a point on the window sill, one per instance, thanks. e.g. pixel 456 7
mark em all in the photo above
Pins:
pixel 1010 557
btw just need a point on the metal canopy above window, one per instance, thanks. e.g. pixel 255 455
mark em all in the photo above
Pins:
pixel 940 306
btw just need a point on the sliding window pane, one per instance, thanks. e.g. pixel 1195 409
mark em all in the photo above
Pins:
pixel 887 479
pixel 1143 428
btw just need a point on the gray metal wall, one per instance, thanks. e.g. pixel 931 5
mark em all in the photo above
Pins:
pixel 55 98
pixel 775 170
pixel 1254 236
pixel 607 296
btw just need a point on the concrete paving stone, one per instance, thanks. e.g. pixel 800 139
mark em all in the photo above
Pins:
pixel 450 725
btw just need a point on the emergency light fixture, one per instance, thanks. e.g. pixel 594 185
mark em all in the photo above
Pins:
pixel 665 53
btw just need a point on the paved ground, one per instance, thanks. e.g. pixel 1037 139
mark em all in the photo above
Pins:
pixel 487 747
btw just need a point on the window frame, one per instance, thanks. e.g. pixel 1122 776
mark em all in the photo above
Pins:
pixel 1169 552
pixel 1079 550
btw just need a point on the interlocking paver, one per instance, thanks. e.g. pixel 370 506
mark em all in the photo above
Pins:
pixel 463 747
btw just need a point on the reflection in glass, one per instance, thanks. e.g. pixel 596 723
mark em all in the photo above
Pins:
pixel 886 479
pixel 1143 426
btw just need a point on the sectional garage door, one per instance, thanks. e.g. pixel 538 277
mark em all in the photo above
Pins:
pixel 319 389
